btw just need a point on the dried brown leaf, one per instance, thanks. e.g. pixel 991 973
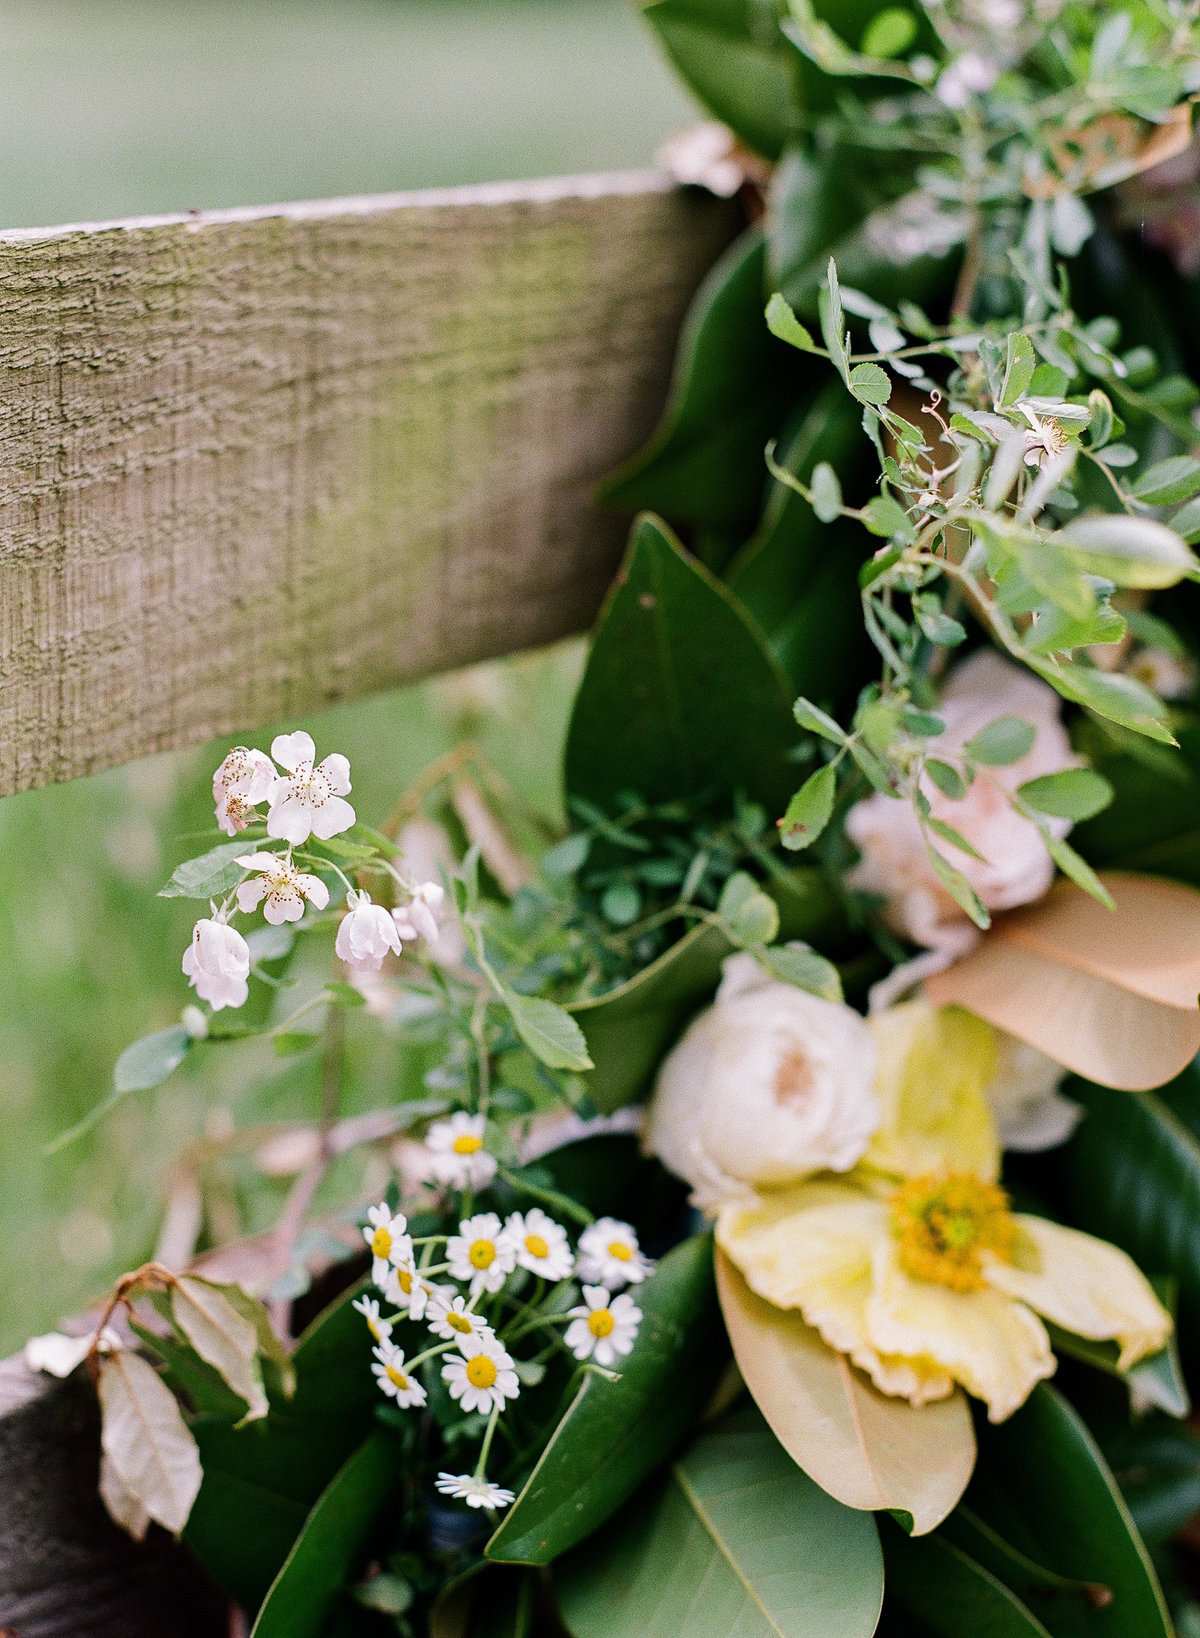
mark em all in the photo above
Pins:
pixel 866 1449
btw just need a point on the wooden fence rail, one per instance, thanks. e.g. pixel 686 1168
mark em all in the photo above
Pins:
pixel 258 461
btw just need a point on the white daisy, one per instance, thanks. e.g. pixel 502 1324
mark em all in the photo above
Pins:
pixel 407 1287
pixel 456 1153
pixel 385 1233
pixel 476 1492
pixel 380 1328
pixel 479 1252
pixel 541 1244
pixel 450 1317
pixel 603 1328
pixel 482 1376
pixel 609 1255
pixel 394 1379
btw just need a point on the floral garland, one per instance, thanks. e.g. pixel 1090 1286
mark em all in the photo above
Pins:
pixel 744 1159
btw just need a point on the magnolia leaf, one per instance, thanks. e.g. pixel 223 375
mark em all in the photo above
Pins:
pixel 950 1594
pixel 1109 994
pixel 222 1336
pixel 146 1442
pixel 148 1062
pixel 732 63
pixel 870 1451
pixel 1004 741
pixel 1074 793
pixel 735 1539
pixel 209 875
pixel 809 811
pixel 784 324
pixel 549 1031
pixel 1137 552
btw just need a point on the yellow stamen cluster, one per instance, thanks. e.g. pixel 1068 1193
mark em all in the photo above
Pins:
pixel 481 1371
pixel 466 1143
pixel 945 1223
pixel 619 1250
pixel 536 1246
pixel 482 1254
pixel 381 1243
pixel 601 1322
pixel 459 1323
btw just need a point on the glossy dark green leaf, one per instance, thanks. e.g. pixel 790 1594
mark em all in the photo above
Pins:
pixel 949 1592
pixel 1042 1484
pixel 628 1030
pixel 616 1433
pixel 736 1539
pixel 1062 1604
pixel 798 577
pixel 1157 1380
pixel 261 1480
pixel 1154 821
pixel 703 465
pixel 729 53
pixel 1133 1175
pixel 680 698
pixel 1156 1462
pixel 332 1544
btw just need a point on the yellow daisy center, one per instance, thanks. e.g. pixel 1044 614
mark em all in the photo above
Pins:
pixel 619 1250
pixel 467 1144
pixel 482 1254
pixel 375 1330
pixel 536 1246
pixel 381 1242
pixel 481 1371
pixel 459 1323
pixel 944 1224
pixel 404 1277
pixel 398 1378
pixel 601 1322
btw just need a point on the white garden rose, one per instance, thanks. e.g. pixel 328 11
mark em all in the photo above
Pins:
pixel 1014 866
pixel 768 1085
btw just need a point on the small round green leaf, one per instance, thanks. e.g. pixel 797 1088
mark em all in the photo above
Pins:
pixel 1076 793
pixel 1006 740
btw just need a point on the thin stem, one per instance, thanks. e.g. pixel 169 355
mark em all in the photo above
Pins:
pixel 490 1434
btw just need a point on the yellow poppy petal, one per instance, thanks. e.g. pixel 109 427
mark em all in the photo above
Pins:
pixel 997 1348
pixel 935 1064
pixel 812 1248
pixel 1087 1286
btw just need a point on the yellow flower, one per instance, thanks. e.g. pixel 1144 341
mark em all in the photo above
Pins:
pixel 914 1265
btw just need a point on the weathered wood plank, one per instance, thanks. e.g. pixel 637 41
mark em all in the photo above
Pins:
pixel 257 461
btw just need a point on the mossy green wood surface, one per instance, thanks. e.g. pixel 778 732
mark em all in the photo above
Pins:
pixel 259 461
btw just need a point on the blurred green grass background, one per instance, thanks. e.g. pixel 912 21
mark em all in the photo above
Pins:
pixel 123 107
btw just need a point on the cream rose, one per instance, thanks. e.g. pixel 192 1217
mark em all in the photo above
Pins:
pixel 768 1085
pixel 1014 867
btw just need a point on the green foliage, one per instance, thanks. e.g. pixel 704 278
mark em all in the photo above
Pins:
pixel 680 699
pixel 730 55
pixel 614 1434
pixel 735 1538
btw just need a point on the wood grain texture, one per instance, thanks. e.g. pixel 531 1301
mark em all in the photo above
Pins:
pixel 258 461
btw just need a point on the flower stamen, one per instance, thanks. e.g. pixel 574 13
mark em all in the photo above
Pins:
pixel 944 1225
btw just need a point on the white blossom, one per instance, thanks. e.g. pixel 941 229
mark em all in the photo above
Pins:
pixel 404 1285
pixel 56 1354
pixel 965 77
pixel 474 1490
pixel 217 964
pixel 243 780
pixel 366 934
pixel 768 1085
pixel 609 1255
pixel 394 1379
pixel 603 1328
pixel 386 1235
pixel 380 1328
pixel 541 1244
pixel 482 1376
pixel 449 1317
pixel 308 800
pixel 457 1157
pixel 480 1253
pixel 419 918
pixel 279 887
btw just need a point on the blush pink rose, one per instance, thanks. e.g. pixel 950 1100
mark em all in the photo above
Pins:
pixel 1014 867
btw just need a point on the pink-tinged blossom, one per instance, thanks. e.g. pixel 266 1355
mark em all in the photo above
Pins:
pixel 279 887
pixel 308 799
pixel 419 918
pixel 366 935
pixel 243 780
pixel 217 964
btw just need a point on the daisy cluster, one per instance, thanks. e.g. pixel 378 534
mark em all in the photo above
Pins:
pixel 468 1289
pixel 305 801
